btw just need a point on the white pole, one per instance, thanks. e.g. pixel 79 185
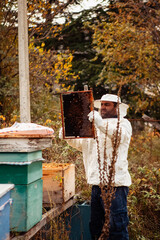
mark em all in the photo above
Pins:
pixel 24 88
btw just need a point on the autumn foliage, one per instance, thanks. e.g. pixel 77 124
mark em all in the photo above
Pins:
pixel 116 44
pixel 128 43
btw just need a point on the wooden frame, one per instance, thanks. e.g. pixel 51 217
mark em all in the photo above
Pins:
pixel 75 106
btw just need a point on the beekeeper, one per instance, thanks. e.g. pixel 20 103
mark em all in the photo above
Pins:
pixel 107 117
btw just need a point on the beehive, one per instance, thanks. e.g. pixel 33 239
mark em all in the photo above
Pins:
pixel 24 169
pixel 20 156
pixel 19 173
pixel 58 182
pixel 5 201
pixel 26 209
pixel 21 163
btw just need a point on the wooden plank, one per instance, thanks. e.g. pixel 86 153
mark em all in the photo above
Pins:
pixel 18 135
pixel 24 86
pixel 69 182
pixel 24 144
pixel 151 121
pixel 52 213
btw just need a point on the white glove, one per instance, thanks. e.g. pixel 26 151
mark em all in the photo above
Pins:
pixel 97 118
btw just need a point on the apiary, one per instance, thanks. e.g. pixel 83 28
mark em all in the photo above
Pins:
pixel 58 182
pixel 26 209
pixel 75 107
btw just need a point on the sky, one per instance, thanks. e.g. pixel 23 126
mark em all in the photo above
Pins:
pixel 86 4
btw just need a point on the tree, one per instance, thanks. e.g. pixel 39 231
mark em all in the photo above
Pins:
pixel 77 36
pixel 129 47
pixel 40 16
pixel 48 71
pixel 8 58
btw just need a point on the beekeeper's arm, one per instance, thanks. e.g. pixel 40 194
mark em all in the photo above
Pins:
pixel 75 143
pixel 99 122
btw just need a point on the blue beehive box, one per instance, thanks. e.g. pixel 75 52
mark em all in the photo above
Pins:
pixel 5 201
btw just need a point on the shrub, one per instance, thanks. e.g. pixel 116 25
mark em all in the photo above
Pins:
pixel 144 196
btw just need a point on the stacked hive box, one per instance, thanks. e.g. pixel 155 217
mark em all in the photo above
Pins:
pixel 26 210
pixel 21 164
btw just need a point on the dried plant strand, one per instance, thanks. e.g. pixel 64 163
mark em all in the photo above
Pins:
pixel 105 165
pixel 106 192
pixel 107 172
pixel 98 155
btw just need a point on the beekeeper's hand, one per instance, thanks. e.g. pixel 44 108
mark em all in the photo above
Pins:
pixel 96 116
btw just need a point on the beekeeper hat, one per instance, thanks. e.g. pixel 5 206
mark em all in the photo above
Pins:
pixel 112 98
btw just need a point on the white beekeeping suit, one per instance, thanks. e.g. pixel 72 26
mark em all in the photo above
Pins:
pixel 88 146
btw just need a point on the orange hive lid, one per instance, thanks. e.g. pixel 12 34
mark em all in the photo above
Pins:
pixel 54 165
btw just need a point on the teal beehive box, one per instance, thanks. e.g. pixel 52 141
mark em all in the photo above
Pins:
pixel 26 209
pixel 20 156
pixel 19 173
